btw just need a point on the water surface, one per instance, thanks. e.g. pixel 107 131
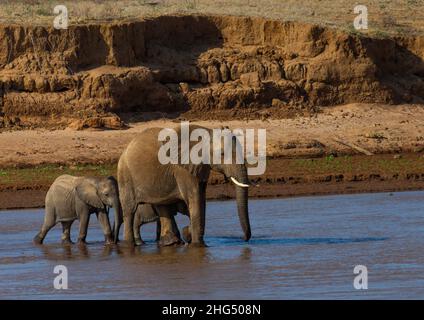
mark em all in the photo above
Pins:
pixel 301 248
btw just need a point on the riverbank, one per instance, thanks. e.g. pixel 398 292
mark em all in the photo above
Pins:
pixel 26 187
pixel 343 149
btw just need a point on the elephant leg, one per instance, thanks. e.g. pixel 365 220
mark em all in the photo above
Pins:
pixel 49 222
pixel 175 229
pixel 196 207
pixel 103 218
pixel 186 230
pixel 128 224
pixel 158 230
pixel 66 234
pixel 129 208
pixel 84 220
pixel 187 234
pixel 136 227
pixel 167 233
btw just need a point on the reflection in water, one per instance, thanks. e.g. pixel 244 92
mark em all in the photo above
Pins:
pixel 301 248
pixel 246 254
pixel 195 255
pixel 287 241
pixel 64 252
pixel 149 254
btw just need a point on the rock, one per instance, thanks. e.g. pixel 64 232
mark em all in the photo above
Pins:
pixel 296 71
pixel 113 122
pixel 225 72
pixel 375 135
pixel 277 103
pixel 99 68
pixel 251 80
pixel 315 144
pixel 213 74
pixel 290 145
pixel 203 76
pixel 108 122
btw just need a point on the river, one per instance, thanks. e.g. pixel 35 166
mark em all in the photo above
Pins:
pixel 301 248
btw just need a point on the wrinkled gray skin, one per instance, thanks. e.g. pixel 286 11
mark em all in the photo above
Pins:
pixel 147 213
pixel 70 198
pixel 143 179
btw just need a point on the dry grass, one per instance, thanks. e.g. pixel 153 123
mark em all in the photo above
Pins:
pixel 386 17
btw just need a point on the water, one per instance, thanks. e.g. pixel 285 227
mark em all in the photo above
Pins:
pixel 301 248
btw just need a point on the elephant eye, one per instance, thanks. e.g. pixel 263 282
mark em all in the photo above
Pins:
pixel 106 194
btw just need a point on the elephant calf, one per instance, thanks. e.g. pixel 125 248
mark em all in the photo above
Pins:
pixel 70 198
pixel 147 213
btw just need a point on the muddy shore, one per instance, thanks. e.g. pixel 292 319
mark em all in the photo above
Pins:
pixel 26 188
pixel 344 149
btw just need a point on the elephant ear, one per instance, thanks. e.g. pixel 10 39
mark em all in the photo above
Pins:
pixel 197 170
pixel 201 171
pixel 87 192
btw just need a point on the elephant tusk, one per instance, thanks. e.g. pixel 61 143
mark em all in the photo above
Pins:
pixel 239 183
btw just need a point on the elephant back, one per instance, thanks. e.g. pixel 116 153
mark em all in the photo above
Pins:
pixel 62 196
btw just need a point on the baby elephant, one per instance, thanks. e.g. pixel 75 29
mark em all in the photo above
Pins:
pixel 165 235
pixel 70 198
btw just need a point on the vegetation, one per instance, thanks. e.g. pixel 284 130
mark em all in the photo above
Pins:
pixel 388 165
pixel 384 16
pixel 383 164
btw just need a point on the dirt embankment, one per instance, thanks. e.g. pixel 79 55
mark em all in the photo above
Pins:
pixel 307 155
pixel 213 67
pixel 201 66
pixel 342 130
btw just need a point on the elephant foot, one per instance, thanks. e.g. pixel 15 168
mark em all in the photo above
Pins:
pixel 82 242
pixel 200 244
pixel 37 240
pixel 169 240
pixel 67 242
pixel 126 244
pixel 109 240
pixel 187 234
pixel 139 242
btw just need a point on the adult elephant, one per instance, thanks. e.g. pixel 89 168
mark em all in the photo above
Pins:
pixel 143 179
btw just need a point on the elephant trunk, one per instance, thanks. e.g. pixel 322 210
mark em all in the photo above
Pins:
pixel 241 182
pixel 243 212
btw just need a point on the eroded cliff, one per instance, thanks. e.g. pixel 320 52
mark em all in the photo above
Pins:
pixel 201 66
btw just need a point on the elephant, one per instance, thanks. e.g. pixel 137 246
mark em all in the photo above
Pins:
pixel 70 198
pixel 147 213
pixel 143 179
